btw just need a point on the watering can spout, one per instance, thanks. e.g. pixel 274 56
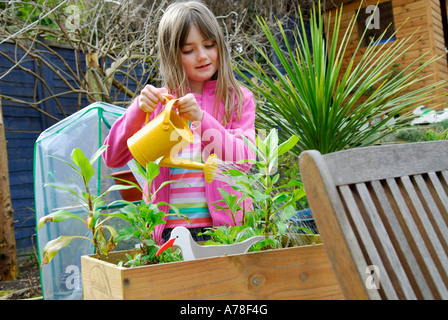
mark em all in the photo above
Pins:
pixel 166 135
pixel 210 167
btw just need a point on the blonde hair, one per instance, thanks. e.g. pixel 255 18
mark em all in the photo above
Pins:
pixel 173 31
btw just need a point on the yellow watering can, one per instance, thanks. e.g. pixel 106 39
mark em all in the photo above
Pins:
pixel 164 137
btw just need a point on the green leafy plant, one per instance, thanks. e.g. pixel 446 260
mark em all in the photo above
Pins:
pixel 226 235
pixel 144 216
pixel 289 169
pixel 272 204
pixel 140 259
pixel 233 234
pixel 438 131
pixel 233 204
pixel 310 95
pixel 136 261
pixel 417 133
pixel 91 204
pixel 432 135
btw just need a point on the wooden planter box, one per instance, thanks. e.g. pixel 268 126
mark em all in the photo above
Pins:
pixel 293 273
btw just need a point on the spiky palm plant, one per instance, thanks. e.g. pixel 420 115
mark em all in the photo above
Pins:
pixel 326 106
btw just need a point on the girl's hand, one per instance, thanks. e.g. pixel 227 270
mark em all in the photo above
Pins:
pixel 150 97
pixel 188 108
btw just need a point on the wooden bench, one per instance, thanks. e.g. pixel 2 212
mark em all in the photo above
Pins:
pixel 382 213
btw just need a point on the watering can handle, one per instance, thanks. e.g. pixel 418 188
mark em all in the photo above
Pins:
pixel 168 107
pixel 166 119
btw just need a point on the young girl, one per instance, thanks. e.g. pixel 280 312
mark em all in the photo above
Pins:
pixel 196 68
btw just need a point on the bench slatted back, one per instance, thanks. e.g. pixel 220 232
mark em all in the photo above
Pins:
pixel 382 213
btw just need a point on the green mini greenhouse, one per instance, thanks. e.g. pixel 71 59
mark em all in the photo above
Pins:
pixel 86 129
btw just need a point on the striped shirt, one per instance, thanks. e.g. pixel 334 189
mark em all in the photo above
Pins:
pixel 189 197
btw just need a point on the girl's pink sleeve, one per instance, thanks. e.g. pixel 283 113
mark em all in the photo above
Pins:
pixel 227 143
pixel 118 154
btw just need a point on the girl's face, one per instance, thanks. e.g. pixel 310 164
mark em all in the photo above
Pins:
pixel 199 58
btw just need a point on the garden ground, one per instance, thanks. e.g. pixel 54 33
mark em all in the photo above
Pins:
pixel 26 286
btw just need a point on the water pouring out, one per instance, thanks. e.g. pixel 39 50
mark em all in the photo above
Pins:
pixel 210 166
pixel 222 167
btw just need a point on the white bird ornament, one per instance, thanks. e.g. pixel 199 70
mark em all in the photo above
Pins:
pixel 181 237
